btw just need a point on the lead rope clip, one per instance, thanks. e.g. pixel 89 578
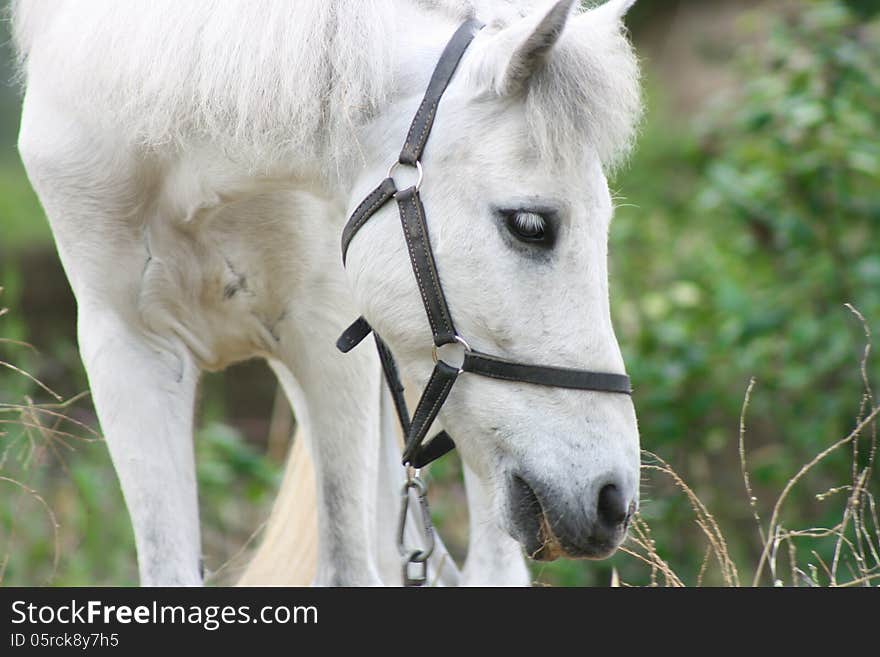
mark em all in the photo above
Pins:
pixel 415 560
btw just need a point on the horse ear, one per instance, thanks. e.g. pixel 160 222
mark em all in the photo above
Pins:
pixel 522 48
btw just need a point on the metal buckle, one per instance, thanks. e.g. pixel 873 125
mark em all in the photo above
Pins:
pixel 418 166
pixel 435 354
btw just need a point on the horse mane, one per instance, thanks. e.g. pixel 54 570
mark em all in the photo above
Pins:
pixel 301 75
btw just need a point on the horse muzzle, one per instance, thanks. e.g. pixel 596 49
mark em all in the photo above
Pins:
pixel 550 525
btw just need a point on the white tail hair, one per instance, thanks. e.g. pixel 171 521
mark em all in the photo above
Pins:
pixel 288 554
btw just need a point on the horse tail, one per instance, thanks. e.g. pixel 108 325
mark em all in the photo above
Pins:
pixel 288 553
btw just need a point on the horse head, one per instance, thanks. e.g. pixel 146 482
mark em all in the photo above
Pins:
pixel 518 208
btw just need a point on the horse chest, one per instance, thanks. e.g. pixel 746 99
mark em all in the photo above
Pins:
pixel 236 283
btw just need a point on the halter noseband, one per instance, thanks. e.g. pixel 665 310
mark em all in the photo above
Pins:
pixel 415 230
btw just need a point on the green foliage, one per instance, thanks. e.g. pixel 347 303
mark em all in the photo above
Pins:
pixel 21 220
pixel 747 272
pixel 740 237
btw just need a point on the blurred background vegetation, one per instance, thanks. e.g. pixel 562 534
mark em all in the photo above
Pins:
pixel 747 218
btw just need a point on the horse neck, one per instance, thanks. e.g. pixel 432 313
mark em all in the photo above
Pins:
pixel 420 34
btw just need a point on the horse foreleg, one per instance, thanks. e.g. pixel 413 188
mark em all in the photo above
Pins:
pixel 493 558
pixel 93 190
pixel 144 401
pixel 337 407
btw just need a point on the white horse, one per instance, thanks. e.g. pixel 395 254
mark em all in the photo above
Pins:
pixel 197 161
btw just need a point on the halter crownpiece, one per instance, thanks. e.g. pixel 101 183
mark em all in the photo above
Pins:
pixel 415 229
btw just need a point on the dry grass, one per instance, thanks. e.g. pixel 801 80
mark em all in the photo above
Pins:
pixel 28 431
pixel 855 538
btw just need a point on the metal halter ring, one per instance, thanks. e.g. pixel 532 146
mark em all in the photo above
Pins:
pixel 412 478
pixel 460 340
pixel 414 481
pixel 418 166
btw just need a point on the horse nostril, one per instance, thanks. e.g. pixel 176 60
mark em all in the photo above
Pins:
pixel 612 507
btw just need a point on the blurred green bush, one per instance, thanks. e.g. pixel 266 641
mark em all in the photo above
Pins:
pixel 741 236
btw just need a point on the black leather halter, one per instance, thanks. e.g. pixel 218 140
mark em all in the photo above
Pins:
pixel 415 230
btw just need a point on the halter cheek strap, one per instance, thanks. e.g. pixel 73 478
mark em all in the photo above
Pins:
pixel 417 453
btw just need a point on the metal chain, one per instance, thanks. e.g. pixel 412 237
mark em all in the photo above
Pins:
pixel 415 560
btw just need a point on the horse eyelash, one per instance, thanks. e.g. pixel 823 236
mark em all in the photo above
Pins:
pixel 529 220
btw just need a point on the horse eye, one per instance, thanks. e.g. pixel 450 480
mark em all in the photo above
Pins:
pixel 527 226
